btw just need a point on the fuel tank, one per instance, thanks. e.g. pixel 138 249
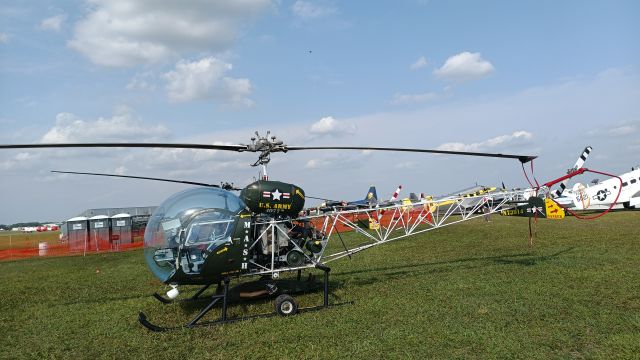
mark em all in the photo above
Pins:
pixel 273 197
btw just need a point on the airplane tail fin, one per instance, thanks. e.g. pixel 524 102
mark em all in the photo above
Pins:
pixel 581 200
pixel 372 195
pixel 395 194
pixel 583 157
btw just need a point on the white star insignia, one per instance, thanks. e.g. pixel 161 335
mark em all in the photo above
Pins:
pixel 276 194
pixel 536 209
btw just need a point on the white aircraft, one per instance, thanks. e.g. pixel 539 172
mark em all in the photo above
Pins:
pixel 600 195
pixel 562 196
pixel 603 194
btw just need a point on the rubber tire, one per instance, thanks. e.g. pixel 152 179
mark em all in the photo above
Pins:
pixel 286 305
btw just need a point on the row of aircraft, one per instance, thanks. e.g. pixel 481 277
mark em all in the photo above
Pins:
pixel 42 228
pixel 622 191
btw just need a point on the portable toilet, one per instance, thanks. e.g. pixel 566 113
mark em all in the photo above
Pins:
pixel 77 233
pixel 99 233
pixel 120 229
pixel 64 233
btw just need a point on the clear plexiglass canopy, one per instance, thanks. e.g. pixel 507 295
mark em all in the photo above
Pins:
pixel 187 224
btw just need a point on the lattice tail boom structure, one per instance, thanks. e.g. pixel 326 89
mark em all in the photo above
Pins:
pixel 372 227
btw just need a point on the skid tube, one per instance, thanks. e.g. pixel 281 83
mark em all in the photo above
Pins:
pixel 195 296
pixel 224 319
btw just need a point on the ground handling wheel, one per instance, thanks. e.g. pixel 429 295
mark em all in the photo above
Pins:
pixel 286 305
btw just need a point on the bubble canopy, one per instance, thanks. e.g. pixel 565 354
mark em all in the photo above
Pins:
pixel 185 225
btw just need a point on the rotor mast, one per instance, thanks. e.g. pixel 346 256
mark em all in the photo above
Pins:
pixel 265 145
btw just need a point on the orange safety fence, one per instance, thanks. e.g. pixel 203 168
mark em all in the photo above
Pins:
pixel 60 250
pixel 35 245
pixel 362 219
pixel 97 243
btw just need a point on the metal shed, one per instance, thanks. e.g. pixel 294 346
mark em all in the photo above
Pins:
pixel 99 233
pixel 121 229
pixel 77 233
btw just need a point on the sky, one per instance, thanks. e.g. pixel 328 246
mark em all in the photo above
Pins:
pixel 543 78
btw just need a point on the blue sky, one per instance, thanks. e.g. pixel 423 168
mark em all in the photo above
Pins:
pixel 543 77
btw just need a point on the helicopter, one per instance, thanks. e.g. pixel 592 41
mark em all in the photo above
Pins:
pixel 208 235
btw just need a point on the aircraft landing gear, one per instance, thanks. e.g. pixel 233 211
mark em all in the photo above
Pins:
pixel 285 304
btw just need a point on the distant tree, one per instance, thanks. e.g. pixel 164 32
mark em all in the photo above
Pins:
pixel 25 224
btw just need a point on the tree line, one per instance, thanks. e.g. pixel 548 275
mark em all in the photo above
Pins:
pixel 23 224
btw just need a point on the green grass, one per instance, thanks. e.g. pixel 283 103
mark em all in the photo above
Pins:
pixel 474 290
pixel 20 240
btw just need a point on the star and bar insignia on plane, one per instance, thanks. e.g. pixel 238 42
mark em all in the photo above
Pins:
pixel 276 195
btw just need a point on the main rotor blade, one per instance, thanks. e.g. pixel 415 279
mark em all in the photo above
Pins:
pixel 146 178
pixel 128 145
pixel 264 148
pixel 522 158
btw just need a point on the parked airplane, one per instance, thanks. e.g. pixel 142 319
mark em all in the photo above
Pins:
pixel 562 196
pixel 621 191
pixel 603 194
pixel 600 195
pixel 370 199
pixel 471 198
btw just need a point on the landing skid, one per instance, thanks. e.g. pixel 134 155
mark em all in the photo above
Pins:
pixel 196 296
pixel 289 307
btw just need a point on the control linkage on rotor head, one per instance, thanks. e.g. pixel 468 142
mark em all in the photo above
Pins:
pixel 228 186
pixel 265 146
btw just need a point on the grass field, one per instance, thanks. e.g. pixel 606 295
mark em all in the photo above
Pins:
pixel 20 240
pixel 474 290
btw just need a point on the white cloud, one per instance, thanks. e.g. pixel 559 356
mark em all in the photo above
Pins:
pixel 330 126
pixel 342 161
pixel 561 113
pixel 623 130
pixel 21 160
pixel 405 165
pixel 237 91
pixel 4 38
pixel 120 170
pixel 131 32
pixel 307 10
pixel 419 64
pixel 464 67
pixel 503 141
pixel 122 126
pixel 53 23
pixel 316 164
pixel 204 79
pixel 144 81
pixel 400 99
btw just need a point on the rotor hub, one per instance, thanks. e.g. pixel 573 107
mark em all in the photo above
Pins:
pixel 265 145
